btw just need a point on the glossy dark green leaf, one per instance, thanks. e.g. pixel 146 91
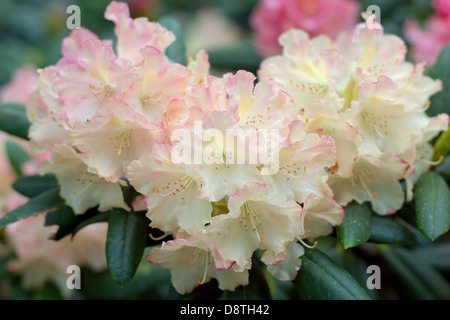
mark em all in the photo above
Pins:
pixel 176 52
pixel 17 156
pixel 420 280
pixel 100 217
pixel 125 243
pixel 348 260
pixel 64 218
pixel 70 223
pixel 320 278
pixel 432 204
pixel 45 201
pixel 388 231
pixel 440 102
pixel 13 120
pixel 355 229
pixel 33 185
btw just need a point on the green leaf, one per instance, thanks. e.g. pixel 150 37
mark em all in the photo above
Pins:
pixel 70 223
pixel 320 278
pixel 101 217
pixel 125 243
pixel 64 218
pixel 348 260
pixel 420 280
pixel 13 120
pixel 432 204
pixel 33 185
pixel 176 52
pixel 440 102
pixel 45 201
pixel 388 231
pixel 355 229
pixel 442 145
pixel 436 254
pixel 17 156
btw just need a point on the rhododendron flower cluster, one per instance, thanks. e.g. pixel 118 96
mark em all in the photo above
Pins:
pixel 110 117
pixel 271 18
pixel 360 90
pixel 346 121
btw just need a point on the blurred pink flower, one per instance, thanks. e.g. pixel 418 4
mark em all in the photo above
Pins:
pixel 427 43
pixel 272 17
pixel 23 82
pixel 40 259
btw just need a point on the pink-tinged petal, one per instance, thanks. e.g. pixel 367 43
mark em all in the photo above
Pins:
pixel 210 98
pixel 377 53
pixel 191 264
pixel 200 67
pixel 224 167
pixel 81 189
pixel 375 180
pixel 160 82
pixel 383 117
pixel 420 163
pixel 96 76
pixel 411 80
pixel 306 73
pixel 254 221
pixel 114 138
pixel 287 270
pixel 322 214
pixel 154 170
pixel 172 192
pixel 75 41
pixel 347 140
pixel 45 114
pixel 302 163
pixel 135 34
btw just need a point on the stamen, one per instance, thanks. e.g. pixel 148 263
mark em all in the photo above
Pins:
pixel 102 89
pixel 206 267
pixel 292 170
pixel 177 187
pixel 158 238
pixel 122 141
pixel 82 191
pixel 361 177
pixel 251 213
pixel 307 245
pixel 433 163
